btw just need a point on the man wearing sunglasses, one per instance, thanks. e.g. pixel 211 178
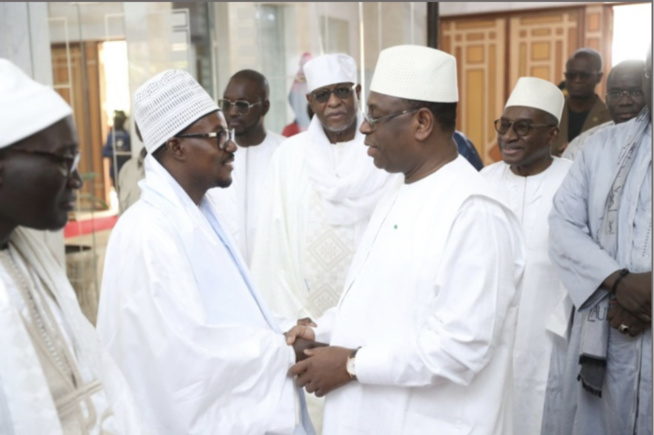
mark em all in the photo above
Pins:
pixel 528 178
pixel 584 109
pixel 245 104
pixel 421 340
pixel 178 310
pixel 322 190
pixel 54 375
pixel 624 99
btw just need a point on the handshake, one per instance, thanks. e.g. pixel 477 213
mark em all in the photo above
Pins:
pixel 319 368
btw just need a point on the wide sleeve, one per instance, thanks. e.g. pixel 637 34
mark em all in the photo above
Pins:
pixel 475 285
pixel 276 252
pixel 188 376
pixel 580 262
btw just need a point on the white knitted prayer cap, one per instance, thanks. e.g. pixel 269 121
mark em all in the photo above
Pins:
pixel 167 104
pixel 330 69
pixel 539 94
pixel 416 73
pixel 26 107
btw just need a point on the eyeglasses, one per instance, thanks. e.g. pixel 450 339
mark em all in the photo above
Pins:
pixel 571 75
pixel 223 137
pixel 521 127
pixel 242 106
pixel 618 93
pixel 374 121
pixel 67 163
pixel 341 92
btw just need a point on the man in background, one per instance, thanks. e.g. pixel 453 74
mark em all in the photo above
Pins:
pixel 624 100
pixel 583 109
pixel 118 146
pixel 322 189
pixel 245 104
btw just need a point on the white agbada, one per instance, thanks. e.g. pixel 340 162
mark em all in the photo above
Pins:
pixel 102 400
pixel 432 298
pixel 180 315
pixel 251 166
pixel 320 197
pixel 544 305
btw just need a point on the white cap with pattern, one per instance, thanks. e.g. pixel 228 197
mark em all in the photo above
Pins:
pixel 330 69
pixel 167 104
pixel 26 107
pixel 415 72
pixel 539 94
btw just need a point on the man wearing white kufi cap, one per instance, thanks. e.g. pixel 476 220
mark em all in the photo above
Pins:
pixel 178 310
pixel 322 190
pixel 422 338
pixel 529 177
pixel 54 376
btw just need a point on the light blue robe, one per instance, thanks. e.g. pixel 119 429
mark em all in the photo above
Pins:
pixel 575 221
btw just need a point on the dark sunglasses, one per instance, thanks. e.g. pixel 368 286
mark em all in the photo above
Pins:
pixel 341 92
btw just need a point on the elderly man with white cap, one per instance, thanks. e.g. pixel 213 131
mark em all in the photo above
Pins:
pixel 322 190
pixel 178 310
pixel 422 339
pixel 54 376
pixel 529 177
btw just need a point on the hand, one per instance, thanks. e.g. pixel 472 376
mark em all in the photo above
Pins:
pixel 618 315
pixel 299 331
pixel 300 345
pixel 306 322
pixel 323 371
pixel 634 294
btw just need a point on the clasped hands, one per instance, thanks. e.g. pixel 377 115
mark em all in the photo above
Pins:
pixel 320 368
pixel 632 306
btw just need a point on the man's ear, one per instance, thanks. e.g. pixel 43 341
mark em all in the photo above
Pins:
pixel 425 123
pixel 176 149
pixel 357 89
pixel 265 107
pixel 554 134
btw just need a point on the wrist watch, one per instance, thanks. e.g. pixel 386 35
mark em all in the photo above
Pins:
pixel 350 365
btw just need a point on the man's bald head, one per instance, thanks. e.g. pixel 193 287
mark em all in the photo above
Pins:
pixel 255 79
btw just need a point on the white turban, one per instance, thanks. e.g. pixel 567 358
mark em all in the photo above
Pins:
pixel 418 73
pixel 26 107
pixel 330 69
pixel 167 104
pixel 539 94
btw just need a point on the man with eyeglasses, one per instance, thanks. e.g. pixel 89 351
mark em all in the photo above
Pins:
pixel 245 104
pixel 624 99
pixel 322 190
pixel 601 246
pixel 528 178
pixel 178 310
pixel 54 375
pixel 583 109
pixel 422 337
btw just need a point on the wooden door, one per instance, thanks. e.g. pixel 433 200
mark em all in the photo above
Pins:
pixel 68 81
pixel 479 48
